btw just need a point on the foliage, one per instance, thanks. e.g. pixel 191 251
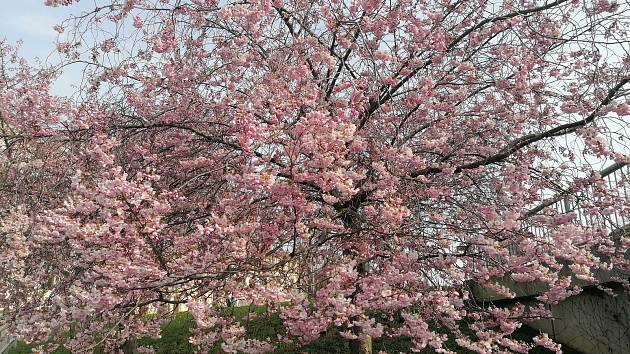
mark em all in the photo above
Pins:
pixel 175 335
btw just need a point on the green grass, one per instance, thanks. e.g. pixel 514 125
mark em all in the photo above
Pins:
pixel 262 325
pixel 20 348
pixel 23 348
pixel 174 336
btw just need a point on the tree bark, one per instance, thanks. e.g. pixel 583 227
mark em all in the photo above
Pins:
pixel 130 346
pixel 361 346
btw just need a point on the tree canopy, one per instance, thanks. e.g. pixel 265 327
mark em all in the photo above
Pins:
pixel 328 159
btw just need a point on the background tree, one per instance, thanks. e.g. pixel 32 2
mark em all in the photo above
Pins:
pixel 330 159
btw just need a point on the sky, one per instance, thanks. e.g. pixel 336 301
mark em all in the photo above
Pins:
pixel 31 22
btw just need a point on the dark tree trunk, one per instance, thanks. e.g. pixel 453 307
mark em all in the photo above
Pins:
pixel 361 346
pixel 350 217
pixel 364 345
pixel 130 346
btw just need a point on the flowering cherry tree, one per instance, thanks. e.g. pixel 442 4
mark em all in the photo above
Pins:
pixel 328 159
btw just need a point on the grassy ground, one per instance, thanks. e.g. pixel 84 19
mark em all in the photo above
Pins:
pixel 175 336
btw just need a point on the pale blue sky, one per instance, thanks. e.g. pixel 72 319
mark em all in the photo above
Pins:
pixel 31 21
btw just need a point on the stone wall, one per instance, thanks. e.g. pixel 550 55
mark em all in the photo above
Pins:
pixel 592 322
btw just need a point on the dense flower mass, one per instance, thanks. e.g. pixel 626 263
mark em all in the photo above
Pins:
pixel 337 161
